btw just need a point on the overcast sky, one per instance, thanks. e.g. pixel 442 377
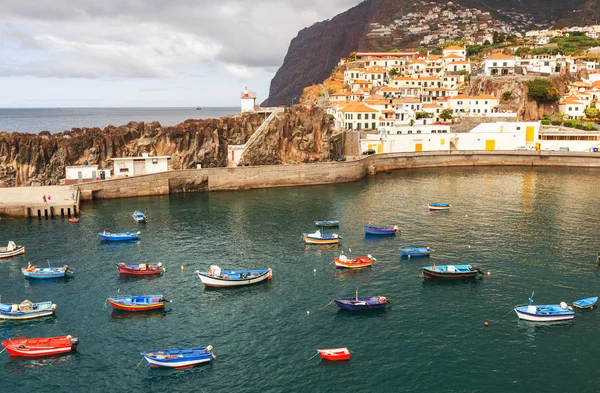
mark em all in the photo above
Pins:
pixel 99 53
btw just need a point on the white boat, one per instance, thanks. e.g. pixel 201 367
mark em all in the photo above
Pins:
pixel 545 313
pixel 11 250
pixel 215 277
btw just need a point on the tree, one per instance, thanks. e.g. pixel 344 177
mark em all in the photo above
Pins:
pixel 393 73
pixel 411 122
pixel 591 113
pixel 352 56
pixel 446 114
pixel 542 91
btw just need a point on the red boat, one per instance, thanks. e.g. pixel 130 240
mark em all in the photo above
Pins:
pixel 74 219
pixel 43 346
pixel 335 354
pixel 140 269
pixel 353 263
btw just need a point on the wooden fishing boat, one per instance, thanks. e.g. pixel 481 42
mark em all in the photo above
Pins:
pixel 415 251
pixel 26 310
pixel 11 250
pixel 137 303
pixel 364 303
pixel 334 354
pixel 451 271
pixel 139 217
pixel 74 219
pixel 319 238
pixel 46 272
pixel 439 206
pixel 41 346
pixel 178 358
pixel 215 277
pixel 381 230
pixel 119 236
pixel 327 223
pixel 545 313
pixel 141 269
pixel 586 303
pixel 353 263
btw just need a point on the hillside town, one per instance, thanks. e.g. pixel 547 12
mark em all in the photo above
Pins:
pixel 391 97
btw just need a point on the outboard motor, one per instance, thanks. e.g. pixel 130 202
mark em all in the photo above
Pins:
pixel 478 269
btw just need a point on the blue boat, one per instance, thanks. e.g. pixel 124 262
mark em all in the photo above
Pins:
pixel 119 236
pixel 327 223
pixel 365 303
pixel 215 277
pixel 138 216
pixel 321 238
pixel 545 313
pixel 439 206
pixel 381 231
pixel 178 358
pixel 451 271
pixel 46 272
pixel 415 251
pixel 586 303
pixel 138 303
pixel 26 310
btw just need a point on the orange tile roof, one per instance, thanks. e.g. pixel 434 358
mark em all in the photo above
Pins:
pixel 454 47
pixel 432 106
pixel 461 97
pixel 571 101
pixel 360 82
pixel 485 97
pixel 453 56
pixel 500 56
pixel 358 107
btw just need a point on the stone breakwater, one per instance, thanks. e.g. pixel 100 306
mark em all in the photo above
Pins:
pixel 297 135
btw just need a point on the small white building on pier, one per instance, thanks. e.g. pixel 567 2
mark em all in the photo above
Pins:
pixel 135 166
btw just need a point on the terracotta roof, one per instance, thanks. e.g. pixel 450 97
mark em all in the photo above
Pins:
pixel 409 100
pixel 358 107
pixel 596 84
pixel 454 47
pixel 460 62
pixel 461 97
pixel 388 88
pixel 581 84
pixel 500 56
pixel 453 56
pixel 571 101
pixel 387 111
pixel 432 106
pixel 360 82
pixel 485 97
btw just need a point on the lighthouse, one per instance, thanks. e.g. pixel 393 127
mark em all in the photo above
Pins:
pixel 248 101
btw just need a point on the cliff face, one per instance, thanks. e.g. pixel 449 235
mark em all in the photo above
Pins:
pixel 300 135
pixel 29 159
pixel 316 50
pixel 516 90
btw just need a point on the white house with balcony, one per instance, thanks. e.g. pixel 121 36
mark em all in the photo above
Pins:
pixel 499 64
pixel 143 165
pixel 572 107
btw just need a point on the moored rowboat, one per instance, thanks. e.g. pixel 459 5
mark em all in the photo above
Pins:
pixel 363 303
pixel 178 358
pixel 318 238
pixel 586 303
pixel 451 271
pixel 26 310
pixel 137 303
pixel 138 216
pixel 46 272
pixel 439 206
pixel 415 251
pixel 74 220
pixel 334 354
pixel 11 250
pixel 119 236
pixel 43 346
pixel 380 230
pixel 327 223
pixel 215 277
pixel 353 263
pixel 544 313
pixel 140 269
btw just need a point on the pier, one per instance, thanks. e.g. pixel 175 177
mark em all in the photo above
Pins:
pixel 29 202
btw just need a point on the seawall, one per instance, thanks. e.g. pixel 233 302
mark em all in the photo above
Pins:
pixel 242 178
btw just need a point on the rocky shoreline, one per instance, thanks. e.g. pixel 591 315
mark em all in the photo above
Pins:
pixel 297 135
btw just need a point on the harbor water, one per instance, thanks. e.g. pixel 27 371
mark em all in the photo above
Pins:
pixel 531 229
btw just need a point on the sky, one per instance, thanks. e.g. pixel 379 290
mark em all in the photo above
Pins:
pixel 148 53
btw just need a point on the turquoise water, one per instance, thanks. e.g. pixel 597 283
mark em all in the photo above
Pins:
pixel 532 229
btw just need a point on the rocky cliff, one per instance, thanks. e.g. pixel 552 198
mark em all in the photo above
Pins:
pixel 316 50
pixel 512 92
pixel 29 159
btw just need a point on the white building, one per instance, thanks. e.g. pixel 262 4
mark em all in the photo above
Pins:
pixel 499 64
pixel 248 101
pixel 84 173
pixel 572 108
pixel 135 166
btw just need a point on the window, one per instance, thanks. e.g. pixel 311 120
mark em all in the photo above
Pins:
pixel 486 102
pixel 155 160
pixel 494 64
pixel 359 116
pixel 366 125
pixel 410 132
pixel 505 64
pixel 373 126
pixel 373 116
pixel 518 128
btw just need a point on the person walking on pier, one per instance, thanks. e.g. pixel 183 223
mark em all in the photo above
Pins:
pixel 44 198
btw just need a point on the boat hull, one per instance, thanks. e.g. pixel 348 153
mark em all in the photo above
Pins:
pixel 455 273
pixel 585 303
pixel 8 254
pixel 45 273
pixel 118 237
pixel 123 269
pixel 415 252
pixel 24 316
pixel 334 354
pixel 26 310
pixel 224 282
pixel 124 305
pixel 374 231
pixel 327 223
pixel 314 240
pixel 363 303
pixel 439 206
pixel 358 263
pixel 178 358
pixel 39 346
pixel 522 313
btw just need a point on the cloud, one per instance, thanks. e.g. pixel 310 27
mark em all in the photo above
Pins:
pixel 153 39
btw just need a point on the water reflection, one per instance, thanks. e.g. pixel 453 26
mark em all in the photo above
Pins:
pixel 21 364
pixel 118 315
pixel 127 278
pixel 347 274
pixel 339 363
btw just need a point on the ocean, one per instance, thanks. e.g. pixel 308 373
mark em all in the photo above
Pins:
pixel 533 229
pixel 34 120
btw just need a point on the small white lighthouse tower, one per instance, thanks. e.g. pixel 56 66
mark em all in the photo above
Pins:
pixel 248 101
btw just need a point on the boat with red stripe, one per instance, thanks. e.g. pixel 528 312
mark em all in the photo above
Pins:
pixel 138 303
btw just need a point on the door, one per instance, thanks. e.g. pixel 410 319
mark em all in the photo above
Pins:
pixel 529 133
pixel 93 175
pixel 490 144
pixel 79 177
pixel 139 168
pixel 379 148
pixel 418 147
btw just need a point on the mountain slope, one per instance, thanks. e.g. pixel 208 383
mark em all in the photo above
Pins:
pixel 316 50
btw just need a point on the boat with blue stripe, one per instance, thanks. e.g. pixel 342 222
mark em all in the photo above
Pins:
pixel 545 312
pixel 451 271
pixel 178 358
pixel 415 251
pixel 321 238
pixel 363 303
pixel 586 303
pixel 118 236
pixel 46 272
pixel 327 223
pixel 26 310
pixel 138 303
pixel 381 230
pixel 139 217
pixel 215 277
pixel 444 206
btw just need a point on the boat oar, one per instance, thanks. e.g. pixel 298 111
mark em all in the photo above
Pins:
pixel 140 362
pixel 315 355
pixel 167 301
pixel 5 350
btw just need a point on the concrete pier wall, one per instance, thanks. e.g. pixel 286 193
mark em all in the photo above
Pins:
pixel 242 178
